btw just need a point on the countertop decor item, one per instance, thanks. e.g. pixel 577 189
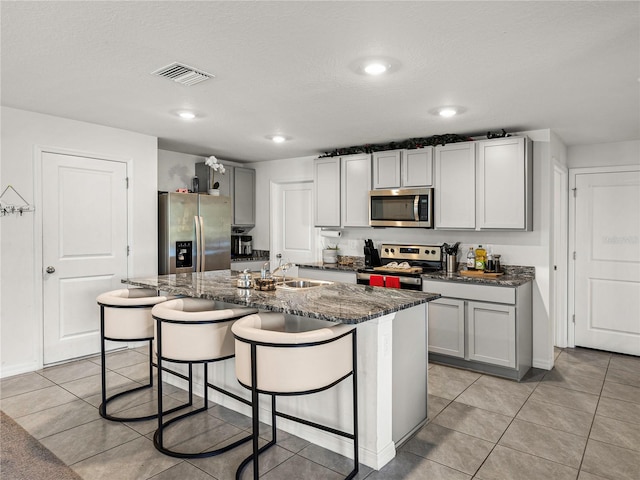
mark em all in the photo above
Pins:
pixel 330 254
pixel 215 165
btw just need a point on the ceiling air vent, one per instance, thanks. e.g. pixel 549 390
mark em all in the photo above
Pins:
pixel 183 74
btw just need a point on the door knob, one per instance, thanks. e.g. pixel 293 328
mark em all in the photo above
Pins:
pixel 51 269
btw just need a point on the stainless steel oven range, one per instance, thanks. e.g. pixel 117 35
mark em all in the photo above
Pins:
pixel 403 264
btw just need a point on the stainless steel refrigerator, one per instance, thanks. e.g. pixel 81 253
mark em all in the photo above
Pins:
pixel 194 233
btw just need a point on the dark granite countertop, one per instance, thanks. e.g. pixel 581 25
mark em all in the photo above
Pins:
pixel 332 266
pixel 338 302
pixel 257 255
pixel 514 276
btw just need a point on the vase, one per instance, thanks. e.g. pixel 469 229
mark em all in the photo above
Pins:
pixel 213 191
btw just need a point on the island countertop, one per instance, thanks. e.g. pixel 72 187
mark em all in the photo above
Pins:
pixel 337 302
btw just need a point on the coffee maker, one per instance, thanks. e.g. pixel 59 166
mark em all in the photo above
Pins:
pixel 235 245
pixel 246 245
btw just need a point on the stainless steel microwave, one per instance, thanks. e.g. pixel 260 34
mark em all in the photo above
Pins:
pixel 401 208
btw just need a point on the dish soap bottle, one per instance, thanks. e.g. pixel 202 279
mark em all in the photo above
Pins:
pixel 471 259
pixel 481 257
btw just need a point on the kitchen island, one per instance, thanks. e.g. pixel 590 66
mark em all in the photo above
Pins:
pixel 392 357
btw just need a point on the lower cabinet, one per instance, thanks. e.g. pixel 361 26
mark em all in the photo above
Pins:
pixel 446 327
pixel 481 327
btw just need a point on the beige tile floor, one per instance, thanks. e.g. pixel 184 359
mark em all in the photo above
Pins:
pixel 579 421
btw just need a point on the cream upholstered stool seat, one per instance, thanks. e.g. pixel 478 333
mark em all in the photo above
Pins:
pixel 272 361
pixel 125 316
pixel 192 331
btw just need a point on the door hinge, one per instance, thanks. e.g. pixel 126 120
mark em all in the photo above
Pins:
pixel 574 255
pixel 573 318
pixel 575 191
pixel 128 250
pixel 126 181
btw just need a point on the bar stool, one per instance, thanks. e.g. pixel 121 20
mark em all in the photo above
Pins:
pixel 189 331
pixel 273 361
pixel 125 316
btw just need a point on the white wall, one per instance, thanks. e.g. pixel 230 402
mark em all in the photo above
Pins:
pixel 604 154
pixel 22 133
pixel 517 248
pixel 176 170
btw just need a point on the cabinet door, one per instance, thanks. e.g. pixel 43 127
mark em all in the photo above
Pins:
pixel 326 176
pixel 492 333
pixel 502 182
pixel 244 195
pixel 356 183
pixel 386 169
pixel 455 202
pixel 446 327
pixel 417 167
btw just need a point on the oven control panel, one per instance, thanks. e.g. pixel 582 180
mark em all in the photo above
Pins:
pixel 424 253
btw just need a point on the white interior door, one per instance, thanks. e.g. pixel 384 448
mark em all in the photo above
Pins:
pixel 607 261
pixel 84 249
pixel 292 230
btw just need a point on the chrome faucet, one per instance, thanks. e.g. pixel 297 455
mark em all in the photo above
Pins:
pixel 284 267
pixel 265 270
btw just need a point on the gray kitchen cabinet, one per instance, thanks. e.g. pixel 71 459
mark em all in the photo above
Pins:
pixel 403 168
pixel 446 327
pixel 244 197
pixel 386 169
pixel 481 327
pixel 455 186
pixel 503 199
pixel 326 179
pixel 492 333
pixel 355 186
pixel 239 184
pixel 341 191
pixel 484 185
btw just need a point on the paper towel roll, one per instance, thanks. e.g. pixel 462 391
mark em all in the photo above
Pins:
pixel 331 233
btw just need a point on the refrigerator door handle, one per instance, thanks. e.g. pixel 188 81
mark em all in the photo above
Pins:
pixel 202 245
pixel 196 219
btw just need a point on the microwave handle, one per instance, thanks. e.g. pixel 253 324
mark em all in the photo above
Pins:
pixel 416 209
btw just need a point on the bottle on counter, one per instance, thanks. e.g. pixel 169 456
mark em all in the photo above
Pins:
pixel 471 259
pixel 481 258
pixel 490 267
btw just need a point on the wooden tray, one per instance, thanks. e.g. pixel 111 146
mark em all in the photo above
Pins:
pixel 398 270
pixel 480 273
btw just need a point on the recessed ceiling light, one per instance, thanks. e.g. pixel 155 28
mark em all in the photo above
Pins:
pixel 278 138
pixel 374 66
pixel 187 115
pixel 447 111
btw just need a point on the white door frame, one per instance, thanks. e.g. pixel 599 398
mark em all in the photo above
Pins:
pixel 38 266
pixel 561 253
pixel 573 172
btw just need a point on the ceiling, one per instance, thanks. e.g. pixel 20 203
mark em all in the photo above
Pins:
pixel 288 67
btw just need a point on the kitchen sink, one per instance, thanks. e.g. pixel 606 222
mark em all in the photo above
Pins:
pixel 300 284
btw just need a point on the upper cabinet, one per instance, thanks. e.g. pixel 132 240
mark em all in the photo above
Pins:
pixel 504 184
pixel 455 189
pixel 244 196
pixel 239 183
pixel 403 168
pixel 484 185
pixel 342 187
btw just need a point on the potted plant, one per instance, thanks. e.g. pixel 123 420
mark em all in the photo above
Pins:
pixel 330 254
pixel 215 166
